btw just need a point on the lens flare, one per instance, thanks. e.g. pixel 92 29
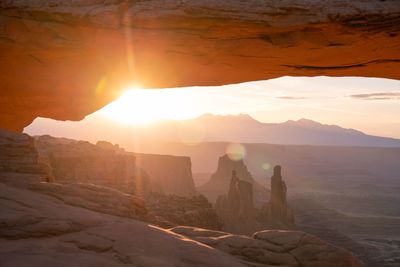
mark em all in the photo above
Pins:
pixel 266 166
pixel 236 151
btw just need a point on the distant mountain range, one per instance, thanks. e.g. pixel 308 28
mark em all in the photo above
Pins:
pixel 212 128
pixel 244 129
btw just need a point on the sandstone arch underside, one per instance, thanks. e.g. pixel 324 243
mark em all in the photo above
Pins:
pixel 66 59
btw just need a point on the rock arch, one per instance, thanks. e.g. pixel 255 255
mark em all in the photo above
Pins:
pixel 64 60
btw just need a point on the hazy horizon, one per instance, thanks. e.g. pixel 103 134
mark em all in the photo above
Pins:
pixel 346 102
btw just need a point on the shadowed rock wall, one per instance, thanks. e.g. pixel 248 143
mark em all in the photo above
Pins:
pixel 83 162
pixel 108 165
pixel 19 157
pixel 168 174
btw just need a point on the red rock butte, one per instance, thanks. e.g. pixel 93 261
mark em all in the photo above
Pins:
pixel 65 59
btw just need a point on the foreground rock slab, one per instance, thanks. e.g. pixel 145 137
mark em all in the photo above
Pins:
pixel 274 247
pixel 93 197
pixel 38 230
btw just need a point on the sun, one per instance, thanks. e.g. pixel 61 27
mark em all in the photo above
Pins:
pixel 145 106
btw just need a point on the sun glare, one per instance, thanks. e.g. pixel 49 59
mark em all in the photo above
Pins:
pixel 146 106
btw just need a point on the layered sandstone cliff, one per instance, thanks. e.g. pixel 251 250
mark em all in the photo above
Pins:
pixel 80 161
pixel 108 165
pixel 164 182
pixel 18 156
pixel 22 167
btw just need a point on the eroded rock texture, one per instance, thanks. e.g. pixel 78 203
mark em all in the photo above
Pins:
pixel 65 59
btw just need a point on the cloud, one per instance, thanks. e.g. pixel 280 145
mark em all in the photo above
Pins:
pixel 377 96
pixel 291 97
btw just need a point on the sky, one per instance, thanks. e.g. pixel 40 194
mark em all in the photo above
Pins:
pixel 370 105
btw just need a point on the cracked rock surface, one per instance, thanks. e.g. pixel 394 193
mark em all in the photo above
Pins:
pixel 274 247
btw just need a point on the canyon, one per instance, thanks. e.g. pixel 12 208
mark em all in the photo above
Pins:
pixel 74 203
pixel 100 225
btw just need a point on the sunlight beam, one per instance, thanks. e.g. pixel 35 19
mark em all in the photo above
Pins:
pixel 145 106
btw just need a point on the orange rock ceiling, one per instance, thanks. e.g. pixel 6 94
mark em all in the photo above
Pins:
pixel 64 60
